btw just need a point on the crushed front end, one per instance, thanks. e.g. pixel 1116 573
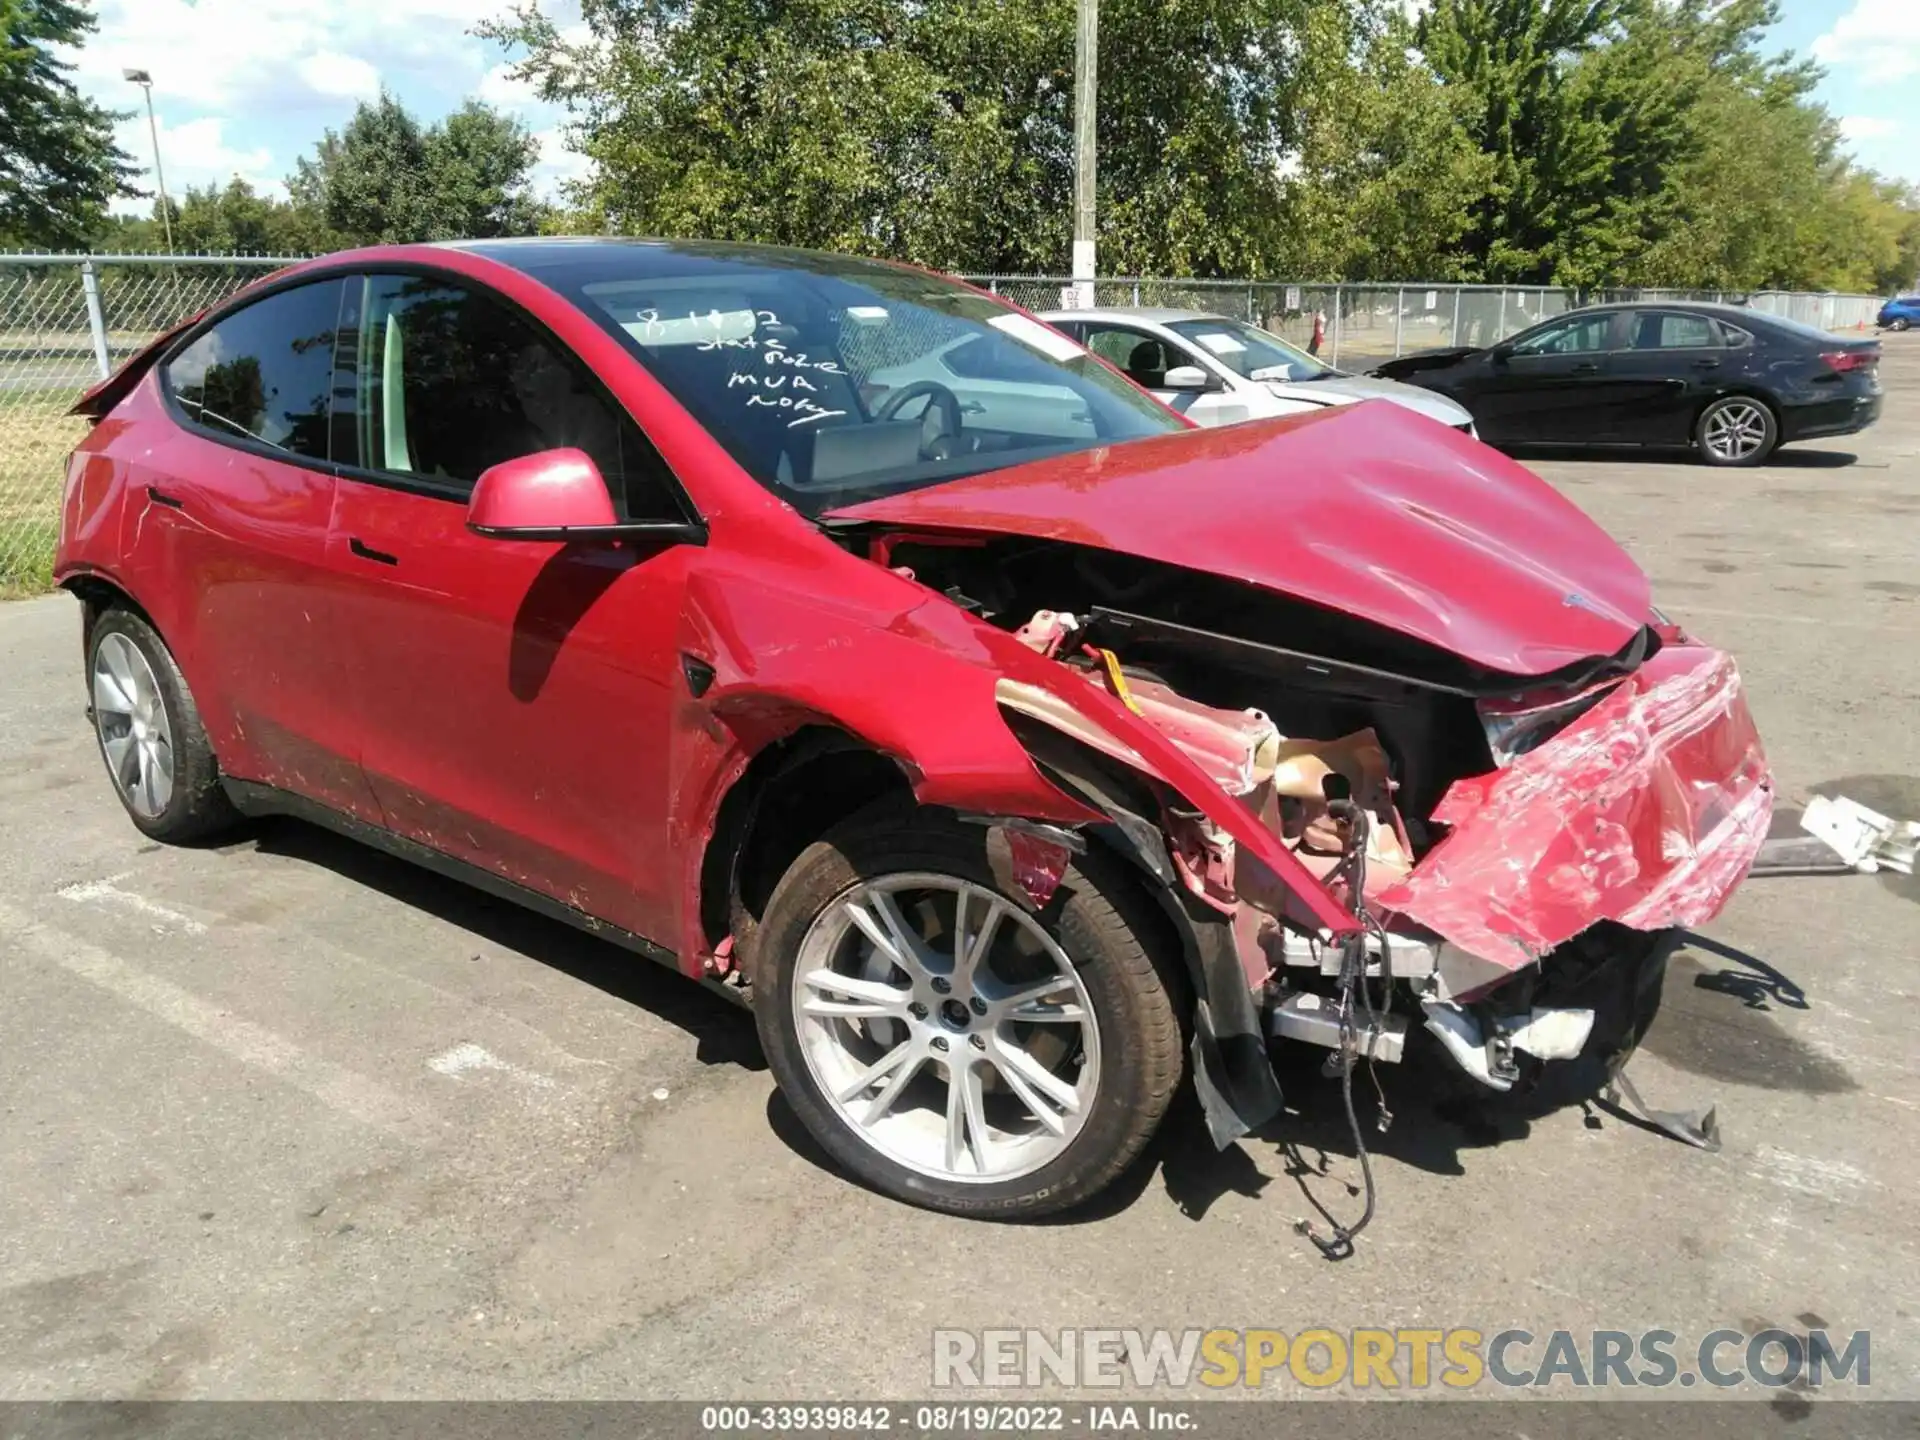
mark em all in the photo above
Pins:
pixel 1386 839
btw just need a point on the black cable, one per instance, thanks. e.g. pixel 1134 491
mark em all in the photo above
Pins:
pixel 1353 966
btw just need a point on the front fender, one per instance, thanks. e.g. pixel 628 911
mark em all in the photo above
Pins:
pixel 922 688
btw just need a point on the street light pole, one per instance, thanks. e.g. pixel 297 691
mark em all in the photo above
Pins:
pixel 1086 53
pixel 145 81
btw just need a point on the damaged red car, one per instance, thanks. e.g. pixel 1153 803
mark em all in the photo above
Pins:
pixel 878 657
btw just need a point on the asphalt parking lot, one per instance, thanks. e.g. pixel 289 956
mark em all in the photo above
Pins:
pixel 291 1119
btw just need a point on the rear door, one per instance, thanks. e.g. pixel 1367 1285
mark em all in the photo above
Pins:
pixel 231 520
pixel 1551 385
pixel 515 695
pixel 1669 361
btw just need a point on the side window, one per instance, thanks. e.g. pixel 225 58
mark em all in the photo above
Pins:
pixel 449 381
pixel 1669 330
pixel 1142 358
pixel 1570 337
pixel 265 373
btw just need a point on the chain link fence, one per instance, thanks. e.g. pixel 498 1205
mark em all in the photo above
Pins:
pixel 67 320
pixel 1365 324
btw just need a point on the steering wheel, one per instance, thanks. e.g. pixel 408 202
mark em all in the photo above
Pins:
pixel 938 397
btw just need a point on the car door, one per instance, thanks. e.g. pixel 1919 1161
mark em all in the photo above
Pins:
pixel 1145 357
pixel 1549 384
pixel 1668 363
pixel 233 518
pixel 515 695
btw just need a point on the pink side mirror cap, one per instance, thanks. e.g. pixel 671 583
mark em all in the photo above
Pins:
pixel 543 496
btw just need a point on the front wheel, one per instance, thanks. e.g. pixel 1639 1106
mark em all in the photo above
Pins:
pixel 952 1044
pixel 1736 430
pixel 1899 324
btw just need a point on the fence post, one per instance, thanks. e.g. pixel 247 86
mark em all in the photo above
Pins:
pixel 1336 324
pixel 96 321
pixel 1399 319
pixel 1457 292
pixel 993 287
pixel 1500 331
pixel 1136 294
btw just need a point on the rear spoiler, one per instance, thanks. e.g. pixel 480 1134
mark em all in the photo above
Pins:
pixel 101 399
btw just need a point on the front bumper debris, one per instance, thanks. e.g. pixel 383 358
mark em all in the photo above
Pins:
pixel 1647 810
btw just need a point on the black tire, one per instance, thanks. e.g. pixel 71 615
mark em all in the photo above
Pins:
pixel 1899 325
pixel 1711 452
pixel 197 806
pixel 1105 928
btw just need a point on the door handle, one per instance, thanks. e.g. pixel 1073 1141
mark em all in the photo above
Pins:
pixel 160 497
pixel 367 552
pixel 972 407
pixel 1586 367
pixel 1706 364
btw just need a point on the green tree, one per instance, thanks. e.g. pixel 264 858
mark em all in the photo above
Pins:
pixel 939 132
pixel 386 179
pixel 1385 172
pixel 58 164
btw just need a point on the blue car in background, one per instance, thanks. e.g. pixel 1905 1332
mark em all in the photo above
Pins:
pixel 1900 313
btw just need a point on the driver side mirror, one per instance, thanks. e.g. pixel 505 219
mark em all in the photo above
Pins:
pixel 557 495
pixel 1501 353
pixel 1189 377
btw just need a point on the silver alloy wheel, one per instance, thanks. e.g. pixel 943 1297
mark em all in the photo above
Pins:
pixel 131 717
pixel 946 1027
pixel 1736 431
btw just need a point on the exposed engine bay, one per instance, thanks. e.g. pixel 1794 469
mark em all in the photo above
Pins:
pixel 1426 795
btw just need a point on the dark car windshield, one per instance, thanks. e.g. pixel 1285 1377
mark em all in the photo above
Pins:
pixel 1250 353
pixel 833 380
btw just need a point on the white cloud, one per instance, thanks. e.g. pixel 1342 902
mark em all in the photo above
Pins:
pixel 1881 38
pixel 1867 127
pixel 215 54
pixel 194 154
pixel 557 163
pixel 499 87
pixel 348 76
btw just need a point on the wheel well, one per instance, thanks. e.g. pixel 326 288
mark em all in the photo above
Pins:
pixel 97 596
pixel 1743 392
pixel 792 793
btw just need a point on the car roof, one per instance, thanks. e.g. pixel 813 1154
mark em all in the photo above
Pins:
pixel 1695 307
pixel 1154 314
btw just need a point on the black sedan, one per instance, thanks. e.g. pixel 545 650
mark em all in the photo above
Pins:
pixel 1730 382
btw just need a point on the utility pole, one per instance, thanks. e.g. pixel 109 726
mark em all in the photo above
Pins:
pixel 145 81
pixel 1086 64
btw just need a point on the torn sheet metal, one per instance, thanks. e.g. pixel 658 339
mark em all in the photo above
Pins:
pixel 1648 809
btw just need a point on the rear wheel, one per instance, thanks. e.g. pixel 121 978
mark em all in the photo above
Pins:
pixel 150 735
pixel 949 1042
pixel 1736 430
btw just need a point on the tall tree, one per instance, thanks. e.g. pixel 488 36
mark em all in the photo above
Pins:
pixel 1549 154
pixel 58 164
pixel 386 179
pixel 1384 172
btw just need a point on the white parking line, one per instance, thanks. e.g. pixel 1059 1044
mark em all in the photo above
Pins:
pixel 351 1094
pixel 105 892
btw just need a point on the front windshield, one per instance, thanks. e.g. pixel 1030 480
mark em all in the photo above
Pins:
pixel 1250 353
pixel 833 380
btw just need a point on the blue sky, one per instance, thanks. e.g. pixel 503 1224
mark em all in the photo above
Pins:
pixel 243 87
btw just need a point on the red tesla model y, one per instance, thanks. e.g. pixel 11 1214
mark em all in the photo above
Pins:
pixel 869 651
